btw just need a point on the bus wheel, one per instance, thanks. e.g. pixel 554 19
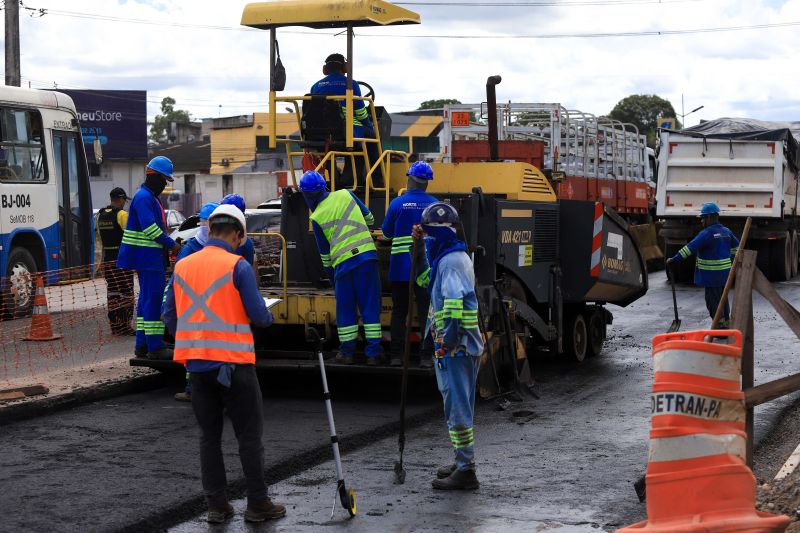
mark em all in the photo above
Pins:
pixel 20 285
pixel 576 337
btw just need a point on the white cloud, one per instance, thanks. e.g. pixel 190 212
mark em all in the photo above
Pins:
pixel 744 73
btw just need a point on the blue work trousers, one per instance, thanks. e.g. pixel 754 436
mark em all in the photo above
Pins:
pixel 149 327
pixel 713 296
pixel 359 290
pixel 457 378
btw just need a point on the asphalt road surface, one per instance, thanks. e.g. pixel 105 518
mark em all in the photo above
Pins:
pixel 563 462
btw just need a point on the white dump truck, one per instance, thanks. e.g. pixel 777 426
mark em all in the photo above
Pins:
pixel 750 169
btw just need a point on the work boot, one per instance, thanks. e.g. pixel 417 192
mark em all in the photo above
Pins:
pixel 376 361
pixel 396 360
pixel 140 351
pixel 445 471
pixel 183 396
pixel 343 359
pixel 162 354
pixel 265 510
pixel 218 515
pixel 458 480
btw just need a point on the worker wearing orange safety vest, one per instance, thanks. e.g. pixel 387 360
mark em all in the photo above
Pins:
pixel 209 307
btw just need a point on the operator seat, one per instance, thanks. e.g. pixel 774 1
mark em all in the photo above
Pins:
pixel 322 124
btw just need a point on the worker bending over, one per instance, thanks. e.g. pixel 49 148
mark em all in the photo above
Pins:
pixel 403 214
pixel 209 307
pixel 145 248
pixel 349 257
pixel 458 344
pixel 714 246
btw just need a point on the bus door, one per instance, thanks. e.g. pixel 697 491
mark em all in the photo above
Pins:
pixel 73 200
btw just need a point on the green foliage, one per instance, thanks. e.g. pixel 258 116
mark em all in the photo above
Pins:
pixel 437 104
pixel 643 110
pixel 158 130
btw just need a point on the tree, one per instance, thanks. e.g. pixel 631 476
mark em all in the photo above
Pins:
pixel 437 104
pixel 643 110
pixel 160 126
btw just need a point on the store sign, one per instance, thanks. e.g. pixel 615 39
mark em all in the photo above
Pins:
pixel 118 119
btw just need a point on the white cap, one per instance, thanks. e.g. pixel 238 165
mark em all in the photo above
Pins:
pixel 231 211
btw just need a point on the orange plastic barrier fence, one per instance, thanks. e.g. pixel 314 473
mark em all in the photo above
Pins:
pixel 697 477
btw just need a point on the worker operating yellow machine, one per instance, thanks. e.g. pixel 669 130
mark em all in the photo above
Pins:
pixel 544 268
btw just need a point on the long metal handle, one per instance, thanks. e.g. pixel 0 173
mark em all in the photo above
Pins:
pixel 674 298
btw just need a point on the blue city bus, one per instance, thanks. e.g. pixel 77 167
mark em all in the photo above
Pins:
pixel 45 202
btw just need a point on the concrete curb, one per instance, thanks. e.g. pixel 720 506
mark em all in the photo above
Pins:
pixel 185 511
pixel 45 406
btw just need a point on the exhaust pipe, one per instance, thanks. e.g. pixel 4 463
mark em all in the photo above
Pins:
pixel 491 102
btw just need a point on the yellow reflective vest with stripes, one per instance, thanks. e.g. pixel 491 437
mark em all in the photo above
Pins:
pixel 714 247
pixel 343 224
pixel 453 315
pixel 144 239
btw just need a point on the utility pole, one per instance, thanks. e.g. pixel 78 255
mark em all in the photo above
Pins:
pixel 12 43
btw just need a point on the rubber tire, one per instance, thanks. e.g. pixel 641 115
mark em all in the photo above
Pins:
pixel 762 249
pixel 781 258
pixel 10 308
pixel 795 252
pixel 576 338
pixel 596 328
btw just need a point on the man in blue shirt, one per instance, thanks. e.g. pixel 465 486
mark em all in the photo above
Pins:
pixel 715 246
pixel 403 214
pixel 335 83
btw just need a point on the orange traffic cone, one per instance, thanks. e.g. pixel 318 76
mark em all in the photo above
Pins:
pixel 697 477
pixel 41 328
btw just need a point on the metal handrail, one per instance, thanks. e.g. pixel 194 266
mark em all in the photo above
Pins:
pixel 284 269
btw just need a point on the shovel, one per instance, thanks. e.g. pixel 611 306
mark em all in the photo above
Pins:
pixel 676 324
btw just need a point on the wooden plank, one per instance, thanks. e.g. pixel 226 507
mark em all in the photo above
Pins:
pixel 788 313
pixel 31 390
pixel 731 274
pixel 769 391
pixel 12 395
pixel 742 319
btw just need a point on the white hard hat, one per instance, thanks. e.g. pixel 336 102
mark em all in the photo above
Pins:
pixel 229 211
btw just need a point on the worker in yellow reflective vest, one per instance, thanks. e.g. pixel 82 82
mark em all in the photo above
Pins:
pixel 349 257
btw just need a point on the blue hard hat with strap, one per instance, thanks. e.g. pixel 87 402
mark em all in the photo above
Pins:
pixel 162 165
pixel 440 214
pixel 312 181
pixel 207 209
pixel 709 208
pixel 234 200
pixel 420 170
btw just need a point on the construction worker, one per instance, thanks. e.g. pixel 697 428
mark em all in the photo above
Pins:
pixel 458 344
pixel 349 256
pixel 145 248
pixel 111 222
pixel 403 214
pixel 714 246
pixel 247 250
pixel 209 308
pixel 335 83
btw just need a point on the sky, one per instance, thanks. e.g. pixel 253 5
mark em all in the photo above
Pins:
pixel 196 52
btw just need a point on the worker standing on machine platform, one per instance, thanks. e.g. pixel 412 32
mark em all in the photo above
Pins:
pixel 143 248
pixel 111 224
pixel 458 344
pixel 714 246
pixel 403 214
pixel 209 307
pixel 349 257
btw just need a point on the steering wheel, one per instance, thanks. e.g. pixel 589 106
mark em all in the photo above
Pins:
pixel 370 91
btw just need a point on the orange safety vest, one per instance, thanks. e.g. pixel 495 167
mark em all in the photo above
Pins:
pixel 212 322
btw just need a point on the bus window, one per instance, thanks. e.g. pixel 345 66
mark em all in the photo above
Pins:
pixel 21 157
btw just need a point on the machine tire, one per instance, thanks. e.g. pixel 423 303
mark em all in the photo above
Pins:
pixel 795 251
pixel 576 337
pixel 596 328
pixel 781 258
pixel 20 284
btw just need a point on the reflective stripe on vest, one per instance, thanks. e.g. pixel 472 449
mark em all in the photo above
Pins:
pixel 343 224
pixel 219 334
pixel 695 362
pixel 696 445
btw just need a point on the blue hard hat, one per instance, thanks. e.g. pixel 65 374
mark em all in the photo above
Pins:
pixel 235 200
pixel 162 165
pixel 207 209
pixel 709 208
pixel 312 181
pixel 440 214
pixel 420 170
